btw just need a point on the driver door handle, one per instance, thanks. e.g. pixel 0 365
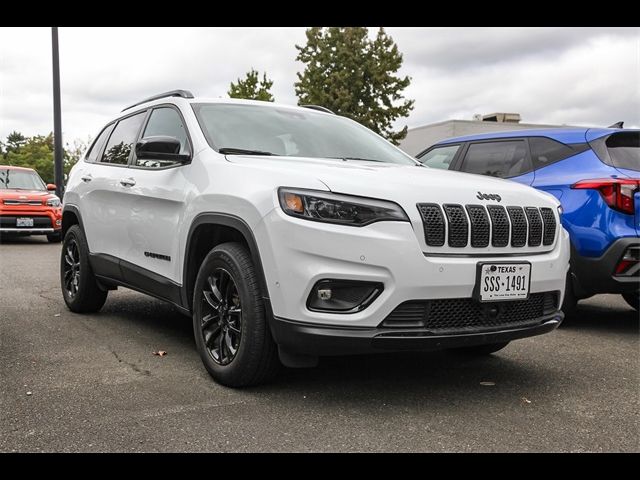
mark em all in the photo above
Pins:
pixel 86 178
pixel 127 182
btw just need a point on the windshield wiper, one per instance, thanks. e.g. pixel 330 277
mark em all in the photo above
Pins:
pixel 241 151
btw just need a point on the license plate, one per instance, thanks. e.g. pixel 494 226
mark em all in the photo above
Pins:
pixel 24 222
pixel 503 281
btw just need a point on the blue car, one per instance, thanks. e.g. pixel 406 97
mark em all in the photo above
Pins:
pixel 594 172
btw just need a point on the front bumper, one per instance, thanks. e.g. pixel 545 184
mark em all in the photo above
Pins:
pixel 594 275
pixel 47 220
pixel 319 340
pixel 298 253
pixel 27 231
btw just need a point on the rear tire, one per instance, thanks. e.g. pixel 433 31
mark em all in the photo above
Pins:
pixel 229 320
pixel 54 237
pixel 633 299
pixel 481 350
pixel 79 286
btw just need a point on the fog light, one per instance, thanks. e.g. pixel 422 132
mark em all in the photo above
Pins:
pixel 324 294
pixel 342 296
pixel 58 223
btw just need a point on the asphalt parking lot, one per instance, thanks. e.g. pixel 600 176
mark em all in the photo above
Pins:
pixel 91 383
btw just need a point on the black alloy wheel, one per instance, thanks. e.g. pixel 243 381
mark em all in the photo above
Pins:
pixel 221 323
pixel 71 268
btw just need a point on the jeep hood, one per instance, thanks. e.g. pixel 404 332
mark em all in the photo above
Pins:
pixel 404 184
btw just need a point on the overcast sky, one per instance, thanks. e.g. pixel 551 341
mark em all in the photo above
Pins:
pixel 577 76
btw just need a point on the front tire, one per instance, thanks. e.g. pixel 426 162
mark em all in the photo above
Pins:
pixel 229 320
pixel 79 286
pixel 633 299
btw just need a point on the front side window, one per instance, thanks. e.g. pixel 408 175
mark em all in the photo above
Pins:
pixel 122 139
pixel 440 157
pixel 292 132
pixel 20 180
pixel 165 122
pixel 497 159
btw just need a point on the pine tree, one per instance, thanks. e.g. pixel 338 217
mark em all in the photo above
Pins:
pixel 354 76
pixel 251 88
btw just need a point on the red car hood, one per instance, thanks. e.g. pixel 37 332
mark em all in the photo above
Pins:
pixel 14 194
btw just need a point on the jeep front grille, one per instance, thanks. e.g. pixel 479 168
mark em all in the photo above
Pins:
pixel 459 226
pixel 464 314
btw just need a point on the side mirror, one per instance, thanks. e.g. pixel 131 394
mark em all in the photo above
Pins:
pixel 51 187
pixel 161 148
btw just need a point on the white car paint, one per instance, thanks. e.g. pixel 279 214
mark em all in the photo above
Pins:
pixel 157 212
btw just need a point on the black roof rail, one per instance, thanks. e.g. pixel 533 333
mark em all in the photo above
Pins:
pixel 172 93
pixel 616 125
pixel 319 108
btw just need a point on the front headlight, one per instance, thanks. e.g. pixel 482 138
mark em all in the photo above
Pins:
pixel 336 208
pixel 53 202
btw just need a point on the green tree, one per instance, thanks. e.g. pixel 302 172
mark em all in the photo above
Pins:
pixel 37 152
pixel 354 76
pixel 252 88
pixel 14 141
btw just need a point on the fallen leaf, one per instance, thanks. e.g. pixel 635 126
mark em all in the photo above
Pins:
pixel 526 400
pixel 29 393
pixel 56 315
pixel 160 353
pixel 488 384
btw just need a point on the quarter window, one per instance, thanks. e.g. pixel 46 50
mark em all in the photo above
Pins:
pixel 165 122
pixel 96 149
pixel 545 151
pixel 122 139
pixel 497 159
pixel 440 157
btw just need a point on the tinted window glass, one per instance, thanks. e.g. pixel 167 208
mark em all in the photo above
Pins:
pixel 293 132
pixel 165 122
pixel 96 148
pixel 624 149
pixel 499 159
pixel 440 157
pixel 121 141
pixel 545 151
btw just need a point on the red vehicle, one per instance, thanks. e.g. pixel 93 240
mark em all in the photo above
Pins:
pixel 28 206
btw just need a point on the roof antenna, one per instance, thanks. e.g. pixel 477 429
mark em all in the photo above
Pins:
pixel 616 125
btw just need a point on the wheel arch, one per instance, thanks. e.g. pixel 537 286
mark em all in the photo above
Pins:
pixel 208 230
pixel 70 216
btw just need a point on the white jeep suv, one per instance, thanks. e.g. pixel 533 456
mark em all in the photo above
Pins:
pixel 288 233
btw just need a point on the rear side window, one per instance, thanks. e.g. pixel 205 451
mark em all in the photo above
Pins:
pixel 121 140
pixel 440 157
pixel 497 159
pixel 545 151
pixel 624 150
pixel 96 148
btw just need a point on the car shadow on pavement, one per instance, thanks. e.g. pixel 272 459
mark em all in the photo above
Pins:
pixel 590 317
pixel 23 240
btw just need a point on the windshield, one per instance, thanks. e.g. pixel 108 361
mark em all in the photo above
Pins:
pixel 20 179
pixel 292 132
pixel 624 149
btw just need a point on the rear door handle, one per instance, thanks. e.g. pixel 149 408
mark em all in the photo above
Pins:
pixel 127 182
pixel 86 178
